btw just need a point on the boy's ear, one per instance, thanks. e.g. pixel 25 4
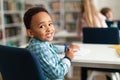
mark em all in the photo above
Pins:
pixel 29 33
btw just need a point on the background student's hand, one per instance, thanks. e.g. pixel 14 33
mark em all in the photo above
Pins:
pixel 70 51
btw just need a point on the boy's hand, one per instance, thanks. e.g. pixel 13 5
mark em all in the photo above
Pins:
pixel 74 47
pixel 70 51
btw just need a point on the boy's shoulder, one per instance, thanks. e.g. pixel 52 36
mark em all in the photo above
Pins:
pixel 34 41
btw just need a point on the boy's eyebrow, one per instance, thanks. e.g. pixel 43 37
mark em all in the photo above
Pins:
pixel 41 22
pixel 44 22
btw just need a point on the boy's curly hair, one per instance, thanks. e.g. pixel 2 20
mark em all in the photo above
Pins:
pixel 30 13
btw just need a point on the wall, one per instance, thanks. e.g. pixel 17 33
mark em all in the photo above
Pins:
pixel 113 4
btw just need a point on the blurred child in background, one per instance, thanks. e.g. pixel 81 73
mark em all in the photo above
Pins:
pixel 107 12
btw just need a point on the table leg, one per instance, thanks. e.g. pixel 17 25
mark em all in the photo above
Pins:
pixel 83 73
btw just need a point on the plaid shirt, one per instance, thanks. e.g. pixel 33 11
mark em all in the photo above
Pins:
pixel 54 68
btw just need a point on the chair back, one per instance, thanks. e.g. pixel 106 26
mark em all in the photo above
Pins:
pixel 101 35
pixel 19 64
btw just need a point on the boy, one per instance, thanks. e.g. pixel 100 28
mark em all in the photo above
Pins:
pixel 40 28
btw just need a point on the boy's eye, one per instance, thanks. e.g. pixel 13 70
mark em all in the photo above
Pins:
pixel 41 26
pixel 50 24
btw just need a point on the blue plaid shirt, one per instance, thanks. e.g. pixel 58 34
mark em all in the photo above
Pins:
pixel 54 68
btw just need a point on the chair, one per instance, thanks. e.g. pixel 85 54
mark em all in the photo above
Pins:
pixel 99 36
pixel 19 64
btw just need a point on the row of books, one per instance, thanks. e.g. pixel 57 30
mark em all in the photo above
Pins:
pixel 72 6
pixel 13 43
pixel 12 31
pixel 0 19
pixel 12 5
pixel 69 6
pixel 71 27
pixel 56 17
pixel 1 35
pixel 55 6
pixel 12 18
pixel 71 17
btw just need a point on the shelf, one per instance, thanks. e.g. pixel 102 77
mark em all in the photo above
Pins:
pixel 13 5
pixel 13 25
pixel 14 38
pixel 1 35
pixel 12 12
pixel 11 22
pixel 65 13
pixel 55 6
pixel 72 6
pixel 72 10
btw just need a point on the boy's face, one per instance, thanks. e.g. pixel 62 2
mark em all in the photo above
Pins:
pixel 42 27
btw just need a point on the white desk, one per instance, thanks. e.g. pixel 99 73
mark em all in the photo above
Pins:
pixel 101 56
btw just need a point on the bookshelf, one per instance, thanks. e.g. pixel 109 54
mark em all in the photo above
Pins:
pixel 56 8
pixel 12 32
pixel 65 13
pixel 72 8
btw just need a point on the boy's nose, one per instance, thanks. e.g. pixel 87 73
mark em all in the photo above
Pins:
pixel 49 29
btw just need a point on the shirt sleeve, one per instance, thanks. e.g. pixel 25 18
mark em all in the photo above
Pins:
pixel 53 66
pixel 60 49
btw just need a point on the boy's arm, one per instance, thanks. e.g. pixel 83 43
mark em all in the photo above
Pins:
pixel 53 66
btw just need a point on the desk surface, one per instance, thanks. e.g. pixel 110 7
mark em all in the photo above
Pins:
pixel 100 56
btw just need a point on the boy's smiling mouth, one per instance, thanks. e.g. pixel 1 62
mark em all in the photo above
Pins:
pixel 49 35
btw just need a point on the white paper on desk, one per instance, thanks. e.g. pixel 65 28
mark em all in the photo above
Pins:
pixel 82 52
